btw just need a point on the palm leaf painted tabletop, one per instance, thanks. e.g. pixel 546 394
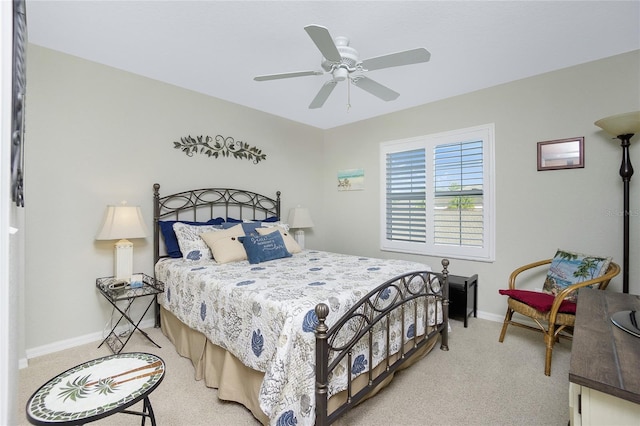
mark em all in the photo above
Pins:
pixel 96 389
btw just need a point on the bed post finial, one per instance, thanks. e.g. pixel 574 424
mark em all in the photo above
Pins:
pixel 445 266
pixel 322 352
pixel 322 311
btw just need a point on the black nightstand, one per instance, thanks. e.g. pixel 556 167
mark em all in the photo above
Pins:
pixel 113 292
pixel 463 296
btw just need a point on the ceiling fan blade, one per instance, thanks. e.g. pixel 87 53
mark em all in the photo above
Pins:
pixel 397 59
pixel 375 88
pixel 321 37
pixel 323 94
pixel 286 75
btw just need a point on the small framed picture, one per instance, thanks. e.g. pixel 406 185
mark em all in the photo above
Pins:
pixel 561 154
pixel 351 180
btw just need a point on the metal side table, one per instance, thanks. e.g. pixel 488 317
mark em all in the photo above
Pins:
pixel 108 287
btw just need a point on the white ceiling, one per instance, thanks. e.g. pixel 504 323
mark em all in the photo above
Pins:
pixel 217 47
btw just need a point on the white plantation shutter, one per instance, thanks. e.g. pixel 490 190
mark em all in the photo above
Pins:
pixel 458 194
pixel 437 194
pixel 405 195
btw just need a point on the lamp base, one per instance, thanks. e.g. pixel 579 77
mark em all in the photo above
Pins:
pixel 123 266
pixel 299 237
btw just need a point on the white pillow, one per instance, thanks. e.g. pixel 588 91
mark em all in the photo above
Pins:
pixel 283 226
pixel 225 245
pixel 289 242
pixel 191 245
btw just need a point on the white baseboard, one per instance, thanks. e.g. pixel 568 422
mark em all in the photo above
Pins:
pixel 491 317
pixel 73 342
pixel 98 336
pixel 500 318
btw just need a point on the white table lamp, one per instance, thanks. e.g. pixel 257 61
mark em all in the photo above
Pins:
pixel 300 218
pixel 119 223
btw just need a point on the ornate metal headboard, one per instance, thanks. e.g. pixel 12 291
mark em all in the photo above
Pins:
pixel 200 205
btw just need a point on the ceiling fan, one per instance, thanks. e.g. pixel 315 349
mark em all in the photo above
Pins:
pixel 342 62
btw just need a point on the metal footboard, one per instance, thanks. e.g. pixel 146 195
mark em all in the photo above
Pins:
pixel 406 299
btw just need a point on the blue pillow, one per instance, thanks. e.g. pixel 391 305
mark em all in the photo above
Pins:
pixel 247 227
pixel 261 248
pixel 170 239
pixel 250 227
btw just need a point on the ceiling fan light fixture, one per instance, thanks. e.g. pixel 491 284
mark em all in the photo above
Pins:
pixel 340 74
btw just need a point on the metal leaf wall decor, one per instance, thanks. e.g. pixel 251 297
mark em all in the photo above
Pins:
pixel 219 146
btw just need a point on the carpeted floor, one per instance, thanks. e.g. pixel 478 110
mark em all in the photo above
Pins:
pixel 479 381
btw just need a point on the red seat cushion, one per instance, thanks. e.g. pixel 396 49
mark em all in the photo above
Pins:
pixel 540 301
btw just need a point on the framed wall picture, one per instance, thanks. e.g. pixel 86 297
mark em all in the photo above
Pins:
pixel 351 180
pixel 561 154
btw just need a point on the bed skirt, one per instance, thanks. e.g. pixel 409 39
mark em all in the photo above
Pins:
pixel 236 382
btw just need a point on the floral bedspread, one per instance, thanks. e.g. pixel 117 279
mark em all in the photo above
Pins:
pixel 264 315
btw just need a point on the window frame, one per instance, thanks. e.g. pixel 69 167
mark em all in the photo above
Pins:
pixel 486 253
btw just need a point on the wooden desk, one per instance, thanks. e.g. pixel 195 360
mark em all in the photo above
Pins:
pixel 604 373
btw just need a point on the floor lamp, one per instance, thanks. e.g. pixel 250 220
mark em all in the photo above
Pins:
pixel 623 127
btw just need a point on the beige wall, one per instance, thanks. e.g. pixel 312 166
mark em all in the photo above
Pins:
pixel 97 135
pixel 537 212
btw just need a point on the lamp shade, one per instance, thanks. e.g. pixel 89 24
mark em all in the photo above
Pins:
pixel 299 217
pixel 621 124
pixel 122 222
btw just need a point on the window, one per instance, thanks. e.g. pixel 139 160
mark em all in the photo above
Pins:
pixel 437 194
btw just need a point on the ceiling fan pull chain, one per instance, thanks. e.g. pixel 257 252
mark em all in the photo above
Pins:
pixel 348 94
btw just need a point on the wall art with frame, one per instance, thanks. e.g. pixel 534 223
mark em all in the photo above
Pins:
pixel 351 180
pixel 561 154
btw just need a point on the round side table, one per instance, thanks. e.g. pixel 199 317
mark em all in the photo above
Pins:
pixel 97 389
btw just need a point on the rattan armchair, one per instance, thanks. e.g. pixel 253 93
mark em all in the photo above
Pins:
pixel 552 314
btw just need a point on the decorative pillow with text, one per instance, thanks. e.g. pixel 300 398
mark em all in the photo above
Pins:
pixel 289 241
pixel 261 248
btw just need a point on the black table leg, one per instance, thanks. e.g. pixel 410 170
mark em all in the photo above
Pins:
pixel 147 411
pixel 123 315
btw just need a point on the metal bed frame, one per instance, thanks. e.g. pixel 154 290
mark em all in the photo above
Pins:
pixel 201 204
pixel 399 297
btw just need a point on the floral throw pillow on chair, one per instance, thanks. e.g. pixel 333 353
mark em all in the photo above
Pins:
pixel 568 268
